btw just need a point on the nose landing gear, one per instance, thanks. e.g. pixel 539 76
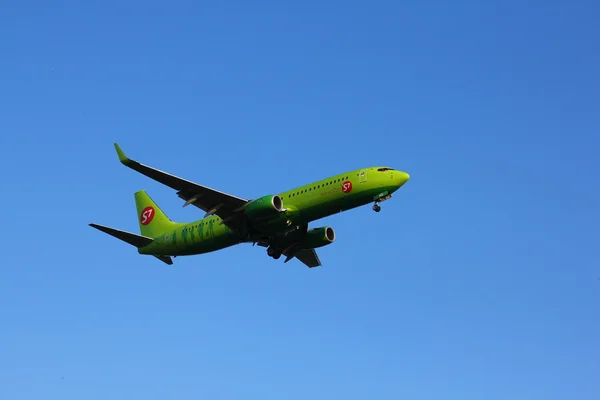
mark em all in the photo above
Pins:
pixel 382 197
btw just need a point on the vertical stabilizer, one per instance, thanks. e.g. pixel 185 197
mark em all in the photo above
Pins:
pixel 153 221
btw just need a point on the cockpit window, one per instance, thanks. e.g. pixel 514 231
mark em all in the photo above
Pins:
pixel 385 169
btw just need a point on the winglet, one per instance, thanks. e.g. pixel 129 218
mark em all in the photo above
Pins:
pixel 122 157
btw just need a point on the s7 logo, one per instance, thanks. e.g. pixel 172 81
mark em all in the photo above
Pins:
pixel 147 215
pixel 347 187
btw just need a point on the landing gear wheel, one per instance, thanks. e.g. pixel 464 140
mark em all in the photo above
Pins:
pixel 273 252
pixel 376 207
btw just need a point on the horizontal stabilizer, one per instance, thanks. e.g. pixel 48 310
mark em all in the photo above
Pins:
pixel 165 259
pixel 131 238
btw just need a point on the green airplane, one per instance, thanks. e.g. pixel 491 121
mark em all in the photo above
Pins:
pixel 278 222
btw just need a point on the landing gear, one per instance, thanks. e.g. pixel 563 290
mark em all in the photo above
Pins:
pixel 382 197
pixel 273 252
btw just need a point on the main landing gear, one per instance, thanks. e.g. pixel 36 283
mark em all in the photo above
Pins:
pixel 273 252
pixel 376 207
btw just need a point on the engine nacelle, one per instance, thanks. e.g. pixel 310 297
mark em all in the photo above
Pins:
pixel 317 237
pixel 265 206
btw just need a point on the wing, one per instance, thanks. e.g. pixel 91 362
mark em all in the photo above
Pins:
pixel 209 200
pixel 308 257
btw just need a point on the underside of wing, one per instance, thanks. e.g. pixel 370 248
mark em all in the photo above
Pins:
pixel 209 200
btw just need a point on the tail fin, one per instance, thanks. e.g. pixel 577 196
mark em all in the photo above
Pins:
pixel 153 221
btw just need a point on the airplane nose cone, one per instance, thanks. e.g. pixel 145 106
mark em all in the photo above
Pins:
pixel 401 178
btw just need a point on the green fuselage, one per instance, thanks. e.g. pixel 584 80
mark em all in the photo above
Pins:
pixel 303 204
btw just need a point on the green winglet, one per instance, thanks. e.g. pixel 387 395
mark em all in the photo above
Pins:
pixel 122 157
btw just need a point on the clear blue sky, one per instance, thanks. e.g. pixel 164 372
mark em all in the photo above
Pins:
pixel 478 280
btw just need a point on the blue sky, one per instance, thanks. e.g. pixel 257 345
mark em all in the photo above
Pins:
pixel 479 279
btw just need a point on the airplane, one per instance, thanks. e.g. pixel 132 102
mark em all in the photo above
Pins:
pixel 279 222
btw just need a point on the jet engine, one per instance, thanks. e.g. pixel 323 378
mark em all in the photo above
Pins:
pixel 265 206
pixel 317 237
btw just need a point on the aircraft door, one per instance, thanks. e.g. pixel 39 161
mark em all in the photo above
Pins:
pixel 362 176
